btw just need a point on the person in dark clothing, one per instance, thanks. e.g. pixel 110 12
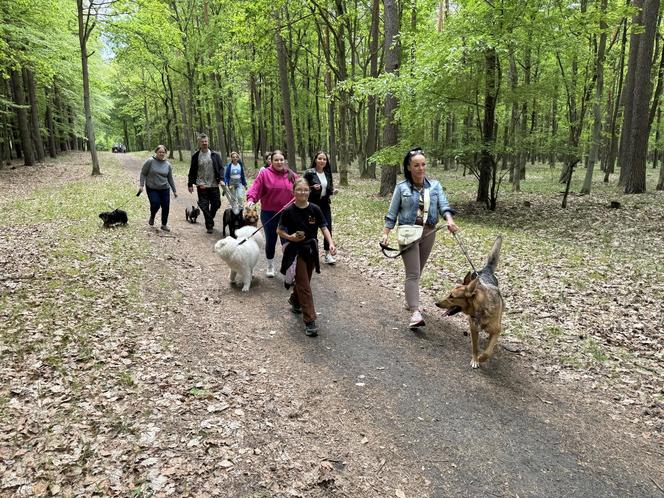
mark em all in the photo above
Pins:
pixel 319 177
pixel 157 177
pixel 206 172
pixel 299 225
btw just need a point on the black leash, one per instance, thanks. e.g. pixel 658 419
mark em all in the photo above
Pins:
pixel 463 250
pixel 268 221
pixel 124 203
pixel 384 248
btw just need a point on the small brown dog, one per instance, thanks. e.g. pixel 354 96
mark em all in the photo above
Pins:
pixel 480 299
pixel 251 216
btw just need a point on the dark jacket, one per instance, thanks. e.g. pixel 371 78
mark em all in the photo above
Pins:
pixel 227 173
pixel 216 164
pixel 307 250
pixel 312 179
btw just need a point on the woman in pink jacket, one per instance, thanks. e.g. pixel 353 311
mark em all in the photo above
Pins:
pixel 273 187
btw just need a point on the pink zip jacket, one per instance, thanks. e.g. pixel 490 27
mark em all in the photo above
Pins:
pixel 274 189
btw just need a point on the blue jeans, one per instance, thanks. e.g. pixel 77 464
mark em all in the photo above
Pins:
pixel 270 231
pixel 159 199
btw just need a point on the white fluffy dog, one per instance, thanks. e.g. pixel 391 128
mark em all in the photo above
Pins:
pixel 241 258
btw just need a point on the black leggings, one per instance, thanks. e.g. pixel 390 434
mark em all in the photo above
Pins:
pixel 324 205
pixel 159 199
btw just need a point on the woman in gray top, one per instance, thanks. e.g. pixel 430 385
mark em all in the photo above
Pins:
pixel 157 177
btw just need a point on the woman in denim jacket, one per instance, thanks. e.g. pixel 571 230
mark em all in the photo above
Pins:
pixel 407 207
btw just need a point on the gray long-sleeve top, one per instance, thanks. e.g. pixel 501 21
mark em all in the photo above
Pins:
pixel 157 175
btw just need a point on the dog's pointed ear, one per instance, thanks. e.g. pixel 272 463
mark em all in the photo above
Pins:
pixel 468 278
pixel 471 288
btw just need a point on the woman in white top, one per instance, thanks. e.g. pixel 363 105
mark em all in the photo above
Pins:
pixel 321 183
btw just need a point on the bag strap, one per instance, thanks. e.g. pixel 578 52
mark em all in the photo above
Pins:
pixel 427 202
pixel 384 248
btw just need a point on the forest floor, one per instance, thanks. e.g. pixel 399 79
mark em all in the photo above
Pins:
pixel 130 366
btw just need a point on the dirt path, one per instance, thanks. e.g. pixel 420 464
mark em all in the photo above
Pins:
pixel 369 408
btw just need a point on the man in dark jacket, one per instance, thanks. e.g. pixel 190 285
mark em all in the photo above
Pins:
pixel 206 172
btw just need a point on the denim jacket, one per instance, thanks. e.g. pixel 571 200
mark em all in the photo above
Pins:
pixel 405 203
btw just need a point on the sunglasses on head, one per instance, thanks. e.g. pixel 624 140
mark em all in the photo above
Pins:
pixel 414 152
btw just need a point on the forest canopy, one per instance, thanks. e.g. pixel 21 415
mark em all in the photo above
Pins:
pixel 489 86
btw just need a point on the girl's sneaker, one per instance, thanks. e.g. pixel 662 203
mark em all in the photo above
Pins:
pixel 310 328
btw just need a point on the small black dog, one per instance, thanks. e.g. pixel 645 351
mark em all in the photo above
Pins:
pixel 115 217
pixel 191 214
pixel 233 221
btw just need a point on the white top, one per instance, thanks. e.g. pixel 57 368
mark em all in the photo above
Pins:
pixel 323 183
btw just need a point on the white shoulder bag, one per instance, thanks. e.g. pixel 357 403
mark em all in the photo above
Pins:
pixel 407 234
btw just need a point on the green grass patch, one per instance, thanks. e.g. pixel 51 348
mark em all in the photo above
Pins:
pixel 595 350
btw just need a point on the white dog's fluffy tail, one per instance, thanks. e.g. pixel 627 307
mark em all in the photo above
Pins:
pixel 246 231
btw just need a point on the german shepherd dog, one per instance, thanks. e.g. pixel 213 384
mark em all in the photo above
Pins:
pixel 479 298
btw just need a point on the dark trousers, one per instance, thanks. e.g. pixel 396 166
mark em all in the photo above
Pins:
pixel 270 231
pixel 159 199
pixel 302 294
pixel 209 200
pixel 324 205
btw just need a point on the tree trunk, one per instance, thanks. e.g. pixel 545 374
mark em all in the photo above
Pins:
pixel 660 182
pixel 84 30
pixel 597 103
pixel 554 129
pixel 370 143
pixel 125 130
pixel 255 118
pixel 219 117
pixel 660 82
pixel 60 119
pixel 510 137
pixel 487 162
pixel 285 93
pixel 22 118
pixel 29 79
pixel 655 152
pixel 388 177
pixel 625 150
pixel 178 135
pixel 524 149
pixel 635 159
pixel 188 138
pixel 50 125
pixel 612 152
pixel 332 134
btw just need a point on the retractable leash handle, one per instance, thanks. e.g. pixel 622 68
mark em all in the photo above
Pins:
pixel 268 221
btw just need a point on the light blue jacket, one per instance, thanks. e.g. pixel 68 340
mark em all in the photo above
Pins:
pixel 405 202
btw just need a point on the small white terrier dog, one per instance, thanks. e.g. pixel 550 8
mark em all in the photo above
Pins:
pixel 241 258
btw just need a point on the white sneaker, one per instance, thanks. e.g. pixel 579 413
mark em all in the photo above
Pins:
pixel 329 259
pixel 270 268
pixel 416 320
